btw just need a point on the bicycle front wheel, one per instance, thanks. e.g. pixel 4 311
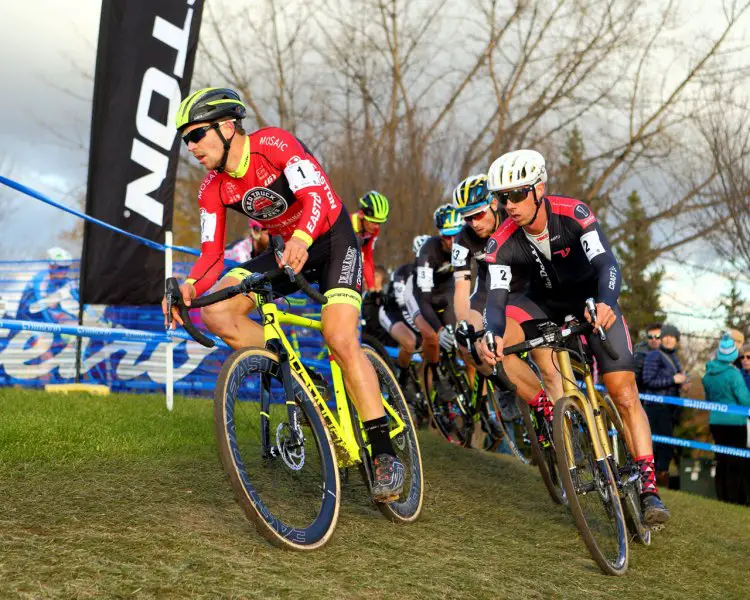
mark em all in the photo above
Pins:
pixel 279 458
pixel 629 476
pixel 590 488
pixel 408 506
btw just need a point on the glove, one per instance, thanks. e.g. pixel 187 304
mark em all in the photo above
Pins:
pixel 463 331
pixel 446 338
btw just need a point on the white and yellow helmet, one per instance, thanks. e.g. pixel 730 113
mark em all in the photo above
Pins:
pixel 516 169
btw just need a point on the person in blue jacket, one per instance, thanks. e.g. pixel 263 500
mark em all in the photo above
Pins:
pixel 724 384
pixel 663 376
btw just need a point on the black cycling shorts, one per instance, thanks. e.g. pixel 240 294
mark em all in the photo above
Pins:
pixel 334 262
pixel 535 311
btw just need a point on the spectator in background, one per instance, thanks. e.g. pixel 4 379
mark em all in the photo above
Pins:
pixel 642 348
pixel 745 362
pixel 723 383
pixel 663 375
pixel 250 246
pixel 739 339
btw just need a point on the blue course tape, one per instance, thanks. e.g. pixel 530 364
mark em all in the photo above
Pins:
pixel 727 409
pixel 663 439
pixel 34 194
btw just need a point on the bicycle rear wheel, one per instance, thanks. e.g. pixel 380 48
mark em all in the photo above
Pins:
pixel 408 506
pixel 629 476
pixel 450 417
pixel 590 488
pixel 543 454
pixel 279 458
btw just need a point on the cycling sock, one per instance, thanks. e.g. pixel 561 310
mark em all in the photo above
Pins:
pixel 648 474
pixel 541 403
pixel 378 433
pixel 403 376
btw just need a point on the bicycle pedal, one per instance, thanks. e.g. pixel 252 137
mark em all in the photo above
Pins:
pixel 655 528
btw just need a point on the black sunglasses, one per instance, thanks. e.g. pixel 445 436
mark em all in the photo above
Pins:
pixel 514 196
pixel 196 135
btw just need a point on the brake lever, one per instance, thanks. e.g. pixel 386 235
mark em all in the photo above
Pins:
pixel 591 307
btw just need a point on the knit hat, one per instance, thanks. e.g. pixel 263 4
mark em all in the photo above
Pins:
pixel 727 351
pixel 670 330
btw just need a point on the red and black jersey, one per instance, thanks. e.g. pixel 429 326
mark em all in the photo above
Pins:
pixel 279 183
pixel 367 244
pixel 581 262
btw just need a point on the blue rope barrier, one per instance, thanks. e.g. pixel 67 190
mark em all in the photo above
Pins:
pixel 663 439
pixel 150 243
pixel 729 409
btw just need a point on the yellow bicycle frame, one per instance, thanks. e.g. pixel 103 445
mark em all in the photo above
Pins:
pixel 588 404
pixel 341 428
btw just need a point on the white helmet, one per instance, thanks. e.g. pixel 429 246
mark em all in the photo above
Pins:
pixel 59 256
pixel 418 242
pixel 516 169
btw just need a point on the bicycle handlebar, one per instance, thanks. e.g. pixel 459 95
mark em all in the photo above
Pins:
pixel 252 283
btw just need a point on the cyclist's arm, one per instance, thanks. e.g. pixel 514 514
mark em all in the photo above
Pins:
pixel 497 284
pixel 461 262
pixel 461 299
pixel 209 266
pixel 425 283
pixel 601 257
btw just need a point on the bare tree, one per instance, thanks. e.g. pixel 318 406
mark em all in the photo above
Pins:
pixel 409 97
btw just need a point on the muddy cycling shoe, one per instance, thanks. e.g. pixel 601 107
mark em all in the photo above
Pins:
pixel 654 511
pixel 388 478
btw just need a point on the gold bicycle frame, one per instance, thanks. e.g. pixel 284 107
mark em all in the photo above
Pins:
pixel 588 404
pixel 341 428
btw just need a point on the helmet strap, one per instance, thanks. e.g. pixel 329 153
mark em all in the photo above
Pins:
pixel 227 143
pixel 538 202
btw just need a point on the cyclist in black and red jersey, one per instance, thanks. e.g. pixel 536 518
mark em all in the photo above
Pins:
pixel 271 176
pixel 482 217
pixel 558 247
pixel 434 294
pixel 373 212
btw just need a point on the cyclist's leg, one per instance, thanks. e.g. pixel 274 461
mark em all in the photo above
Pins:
pixel 407 343
pixel 619 379
pixel 228 319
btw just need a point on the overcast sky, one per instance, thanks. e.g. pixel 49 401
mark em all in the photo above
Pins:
pixel 48 49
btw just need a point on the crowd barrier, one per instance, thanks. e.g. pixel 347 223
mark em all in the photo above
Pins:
pixel 127 347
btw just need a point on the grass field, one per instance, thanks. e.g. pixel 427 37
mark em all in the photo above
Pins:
pixel 115 497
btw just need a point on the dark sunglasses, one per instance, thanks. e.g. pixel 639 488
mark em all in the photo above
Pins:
pixel 196 135
pixel 475 216
pixel 654 337
pixel 513 196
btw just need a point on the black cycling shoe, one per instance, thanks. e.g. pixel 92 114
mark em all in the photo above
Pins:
pixel 388 478
pixel 654 511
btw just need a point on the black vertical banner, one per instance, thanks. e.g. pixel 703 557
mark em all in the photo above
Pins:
pixel 144 65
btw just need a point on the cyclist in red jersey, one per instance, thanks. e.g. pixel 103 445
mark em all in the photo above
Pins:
pixel 253 244
pixel 271 176
pixel 373 212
